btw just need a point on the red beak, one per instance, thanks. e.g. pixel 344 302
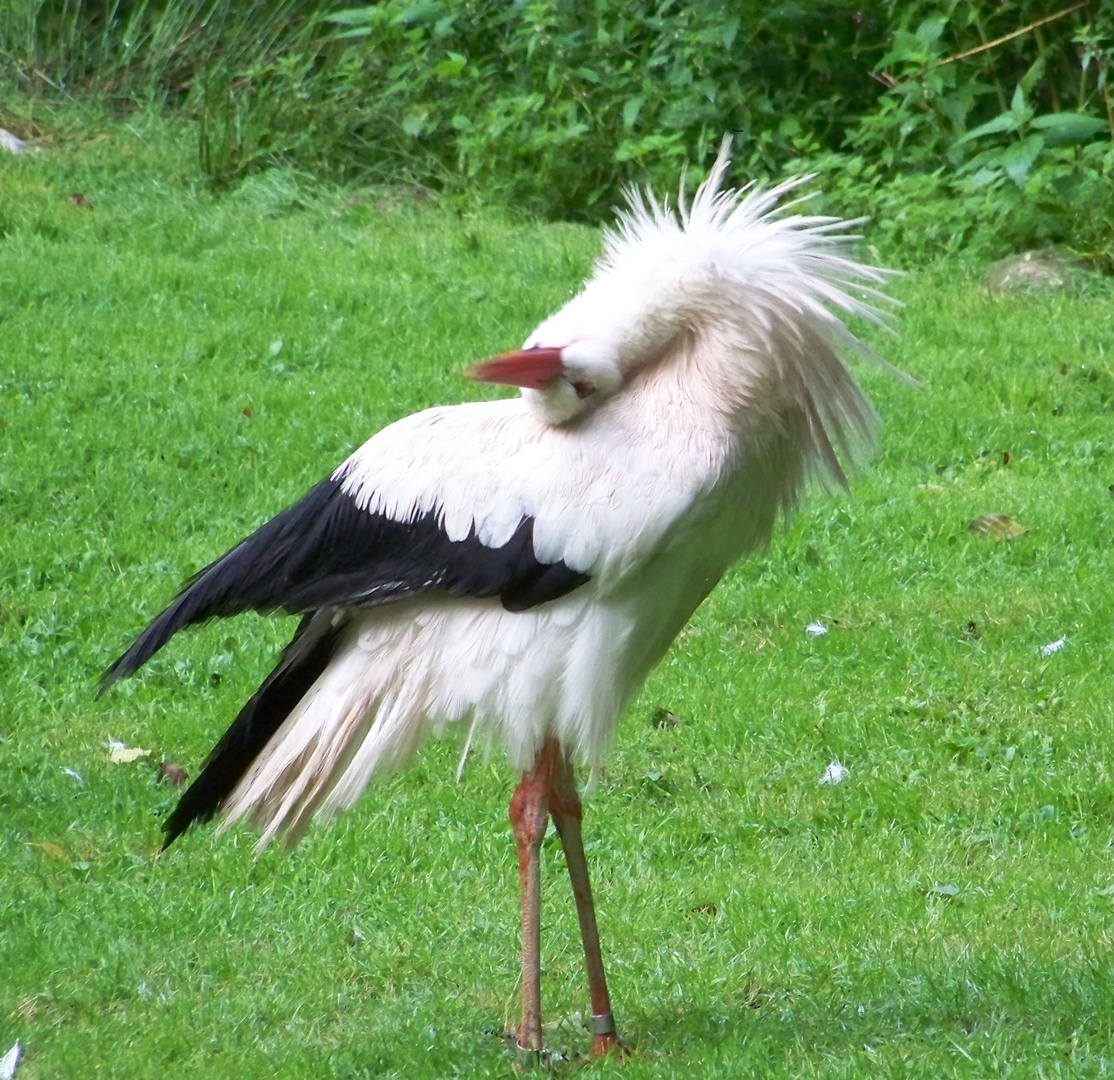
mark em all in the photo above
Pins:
pixel 534 369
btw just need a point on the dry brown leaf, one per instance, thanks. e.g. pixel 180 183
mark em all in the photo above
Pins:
pixel 122 755
pixel 999 526
pixel 55 851
pixel 172 773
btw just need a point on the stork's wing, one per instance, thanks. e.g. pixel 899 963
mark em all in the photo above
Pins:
pixel 328 551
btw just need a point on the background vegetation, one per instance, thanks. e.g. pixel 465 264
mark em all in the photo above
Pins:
pixel 951 123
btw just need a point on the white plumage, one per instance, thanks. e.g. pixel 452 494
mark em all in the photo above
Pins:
pixel 670 412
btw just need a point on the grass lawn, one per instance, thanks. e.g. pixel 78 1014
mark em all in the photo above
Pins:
pixel 174 369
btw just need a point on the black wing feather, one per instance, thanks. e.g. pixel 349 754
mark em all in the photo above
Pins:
pixel 327 551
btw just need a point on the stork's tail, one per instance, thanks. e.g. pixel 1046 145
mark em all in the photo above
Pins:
pixel 302 663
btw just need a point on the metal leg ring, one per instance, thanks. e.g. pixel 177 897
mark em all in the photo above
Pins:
pixel 602 1024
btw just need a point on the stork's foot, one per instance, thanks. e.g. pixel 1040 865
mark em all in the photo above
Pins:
pixel 541 1059
pixel 602 1046
pixel 605 1043
pixel 526 1058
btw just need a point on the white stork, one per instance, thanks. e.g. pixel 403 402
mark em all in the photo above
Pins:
pixel 516 568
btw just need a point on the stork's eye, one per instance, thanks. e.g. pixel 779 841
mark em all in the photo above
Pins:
pixel 583 388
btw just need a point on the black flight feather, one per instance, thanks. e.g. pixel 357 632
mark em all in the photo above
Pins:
pixel 303 660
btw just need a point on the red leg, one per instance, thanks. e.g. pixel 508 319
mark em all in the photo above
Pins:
pixel 564 805
pixel 529 813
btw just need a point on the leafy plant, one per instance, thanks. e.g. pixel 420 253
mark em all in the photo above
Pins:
pixel 1017 177
pixel 999 111
pixel 554 108
pixel 1015 157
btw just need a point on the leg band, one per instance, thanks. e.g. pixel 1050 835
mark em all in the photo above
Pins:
pixel 603 1024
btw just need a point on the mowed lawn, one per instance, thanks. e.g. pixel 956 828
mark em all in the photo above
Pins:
pixel 175 368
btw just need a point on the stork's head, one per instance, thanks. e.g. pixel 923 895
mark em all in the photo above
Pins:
pixel 562 382
pixel 650 286
pixel 732 284
pixel 586 352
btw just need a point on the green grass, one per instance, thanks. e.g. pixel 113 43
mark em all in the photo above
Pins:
pixel 947 911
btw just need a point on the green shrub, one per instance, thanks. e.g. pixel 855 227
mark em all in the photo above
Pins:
pixel 995 158
pixel 550 106
pixel 954 124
